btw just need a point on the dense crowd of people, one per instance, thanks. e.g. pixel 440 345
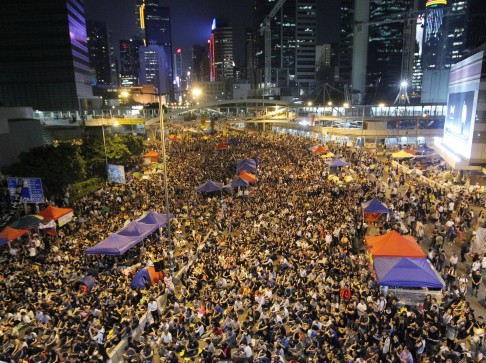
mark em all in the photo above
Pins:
pixel 274 274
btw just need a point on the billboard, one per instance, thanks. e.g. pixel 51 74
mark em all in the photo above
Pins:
pixel 116 173
pixel 462 102
pixel 31 192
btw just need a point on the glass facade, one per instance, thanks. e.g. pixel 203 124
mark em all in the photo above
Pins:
pixel 44 60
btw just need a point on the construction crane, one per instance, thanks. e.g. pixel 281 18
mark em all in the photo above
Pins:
pixel 265 30
pixel 409 18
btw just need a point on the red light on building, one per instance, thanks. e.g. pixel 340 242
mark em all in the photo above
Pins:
pixel 179 50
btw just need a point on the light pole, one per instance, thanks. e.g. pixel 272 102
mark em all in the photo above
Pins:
pixel 166 189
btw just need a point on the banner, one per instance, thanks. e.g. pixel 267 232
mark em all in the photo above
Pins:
pixel 65 219
pixel 116 173
pixel 32 191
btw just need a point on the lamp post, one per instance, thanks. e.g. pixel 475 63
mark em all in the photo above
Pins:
pixel 166 189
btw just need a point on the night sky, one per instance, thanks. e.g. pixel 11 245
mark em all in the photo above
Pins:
pixel 191 20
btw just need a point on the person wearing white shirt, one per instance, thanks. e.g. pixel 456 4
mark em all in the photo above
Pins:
pixel 153 307
pixel 166 338
pixel 454 260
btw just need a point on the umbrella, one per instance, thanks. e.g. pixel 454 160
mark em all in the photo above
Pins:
pixel 328 155
pixel 28 221
pixel 137 174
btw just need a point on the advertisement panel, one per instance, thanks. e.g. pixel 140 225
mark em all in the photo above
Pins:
pixel 462 102
pixel 32 191
pixel 116 173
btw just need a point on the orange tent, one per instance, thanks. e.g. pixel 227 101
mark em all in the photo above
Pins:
pixel 174 138
pixel 221 146
pixel 152 155
pixel 410 151
pixel 320 150
pixel 62 215
pixel 250 178
pixel 393 244
pixel 11 234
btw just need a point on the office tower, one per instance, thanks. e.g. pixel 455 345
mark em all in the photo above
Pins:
pixel 44 60
pixel 346 42
pixel 154 67
pixel 221 52
pixel 293 42
pixel 250 57
pixel 179 76
pixel 385 49
pixel 326 63
pixel 154 28
pixel 476 27
pixel 101 53
pixel 200 63
pixel 130 62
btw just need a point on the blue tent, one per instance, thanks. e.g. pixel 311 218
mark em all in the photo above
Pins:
pixel 155 219
pixel 406 272
pixel 137 229
pixel 239 182
pixel 374 206
pixel 248 165
pixel 120 242
pixel 210 187
pixel 141 279
pixel 3 241
pixel 337 163
pixel 233 141
pixel 114 245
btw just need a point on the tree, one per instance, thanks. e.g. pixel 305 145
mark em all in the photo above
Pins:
pixel 57 166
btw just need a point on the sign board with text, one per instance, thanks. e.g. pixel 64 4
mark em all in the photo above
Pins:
pixel 32 191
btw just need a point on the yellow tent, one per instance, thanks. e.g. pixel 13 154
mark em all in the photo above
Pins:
pixel 401 155
pixel 327 156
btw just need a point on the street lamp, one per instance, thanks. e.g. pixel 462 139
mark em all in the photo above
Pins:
pixel 115 124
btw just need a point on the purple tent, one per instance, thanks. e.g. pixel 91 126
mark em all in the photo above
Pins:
pixel 114 245
pixel 239 182
pixel 374 206
pixel 153 218
pixel 210 187
pixel 137 229
pixel 141 279
pixel 406 272
pixel 249 165
pixel 3 241
pixel 337 163
pixel 88 281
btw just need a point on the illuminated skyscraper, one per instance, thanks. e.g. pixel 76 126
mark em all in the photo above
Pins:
pixel 101 54
pixel 221 62
pixel 44 60
pixel 154 27
pixel 130 62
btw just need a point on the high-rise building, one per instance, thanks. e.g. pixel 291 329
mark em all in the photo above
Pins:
pixel 346 30
pixel 154 27
pixel 250 57
pixel 101 54
pixel 326 63
pixel 293 44
pixel 179 75
pixel 130 62
pixel 44 60
pixel 155 67
pixel 221 62
pixel 385 49
pixel 200 63
pixel 476 27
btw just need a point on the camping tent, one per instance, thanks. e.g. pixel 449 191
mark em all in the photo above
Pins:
pixel 406 272
pixel 10 234
pixel 248 165
pixel 239 182
pixel 114 245
pixel 320 150
pixel 250 178
pixel 393 244
pixel 153 156
pixel 210 187
pixel 137 229
pixel 61 215
pixel 86 284
pixel 337 163
pixel 373 209
pixel 174 138
pixel 402 154
pixel 146 277
pixel 327 156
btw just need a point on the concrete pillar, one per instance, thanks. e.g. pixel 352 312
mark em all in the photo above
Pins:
pixel 360 45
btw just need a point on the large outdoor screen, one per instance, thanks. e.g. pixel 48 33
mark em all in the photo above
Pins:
pixel 461 104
